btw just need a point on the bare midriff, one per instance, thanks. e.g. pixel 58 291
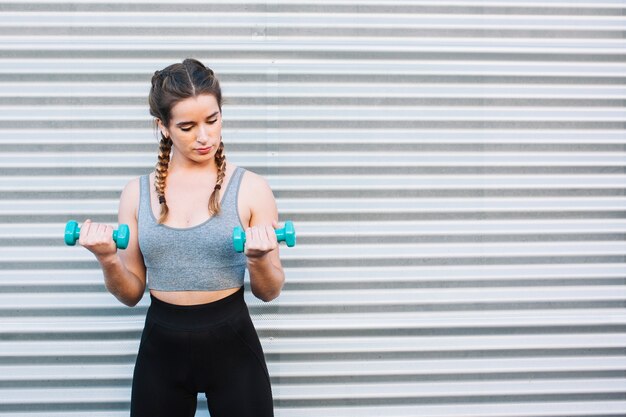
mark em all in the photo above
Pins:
pixel 192 297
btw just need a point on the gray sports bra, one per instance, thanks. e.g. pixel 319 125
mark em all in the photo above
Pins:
pixel 200 257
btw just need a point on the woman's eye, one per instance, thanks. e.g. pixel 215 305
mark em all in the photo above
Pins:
pixel 188 129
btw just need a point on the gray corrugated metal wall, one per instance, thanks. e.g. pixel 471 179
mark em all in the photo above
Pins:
pixel 455 171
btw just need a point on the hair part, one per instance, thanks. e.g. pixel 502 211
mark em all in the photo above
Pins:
pixel 171 85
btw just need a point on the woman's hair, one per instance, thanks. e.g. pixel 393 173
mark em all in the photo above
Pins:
pixel 171 85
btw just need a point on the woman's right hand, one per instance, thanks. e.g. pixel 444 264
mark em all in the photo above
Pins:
pixel 98 239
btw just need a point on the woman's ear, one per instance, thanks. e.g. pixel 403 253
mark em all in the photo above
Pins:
pixel 161 128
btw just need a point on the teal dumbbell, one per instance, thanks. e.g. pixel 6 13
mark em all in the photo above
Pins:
pixel 72 233
pixel 286 234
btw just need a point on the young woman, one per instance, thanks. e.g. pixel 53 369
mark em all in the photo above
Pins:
pixel 198 335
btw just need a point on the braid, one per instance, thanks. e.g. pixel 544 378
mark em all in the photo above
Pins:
pixel 165 147
pixel 220 161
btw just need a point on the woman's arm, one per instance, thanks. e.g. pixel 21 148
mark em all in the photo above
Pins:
pixel 262 250
pixel 124 271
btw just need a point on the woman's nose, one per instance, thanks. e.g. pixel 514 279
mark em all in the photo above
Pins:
pixel 203 134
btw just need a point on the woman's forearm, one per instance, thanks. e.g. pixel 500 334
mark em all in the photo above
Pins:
pixel 120 282
pixel 266 280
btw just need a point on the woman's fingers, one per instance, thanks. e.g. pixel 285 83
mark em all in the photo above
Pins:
pixel 97 238
pixel 84 232
pixel 260 239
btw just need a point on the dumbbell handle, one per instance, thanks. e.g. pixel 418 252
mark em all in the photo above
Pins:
pixel 286 234
pixel 121 236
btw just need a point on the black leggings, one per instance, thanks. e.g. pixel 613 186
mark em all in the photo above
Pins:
pixel 211 348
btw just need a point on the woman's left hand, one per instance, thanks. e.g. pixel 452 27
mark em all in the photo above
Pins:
pixel 261 239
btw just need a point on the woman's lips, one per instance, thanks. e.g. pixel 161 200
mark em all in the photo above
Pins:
pixel 204 150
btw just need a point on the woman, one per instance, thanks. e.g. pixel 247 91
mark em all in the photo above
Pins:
pixel 198 335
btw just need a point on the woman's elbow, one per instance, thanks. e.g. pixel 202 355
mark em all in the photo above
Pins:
pixel 126 297
pixel 131 302
pixel 267 295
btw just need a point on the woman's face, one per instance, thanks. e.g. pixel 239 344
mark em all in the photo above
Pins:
pixel 196 124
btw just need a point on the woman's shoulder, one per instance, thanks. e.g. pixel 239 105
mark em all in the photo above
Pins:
pixel 133 185
pixel 131 192
pixel 252 180
pixel 257 194
pixel 129 198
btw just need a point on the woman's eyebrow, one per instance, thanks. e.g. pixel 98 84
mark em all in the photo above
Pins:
pixel 185 123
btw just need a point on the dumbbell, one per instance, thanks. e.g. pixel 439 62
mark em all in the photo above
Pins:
pixel 72 233
pixel 286 234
